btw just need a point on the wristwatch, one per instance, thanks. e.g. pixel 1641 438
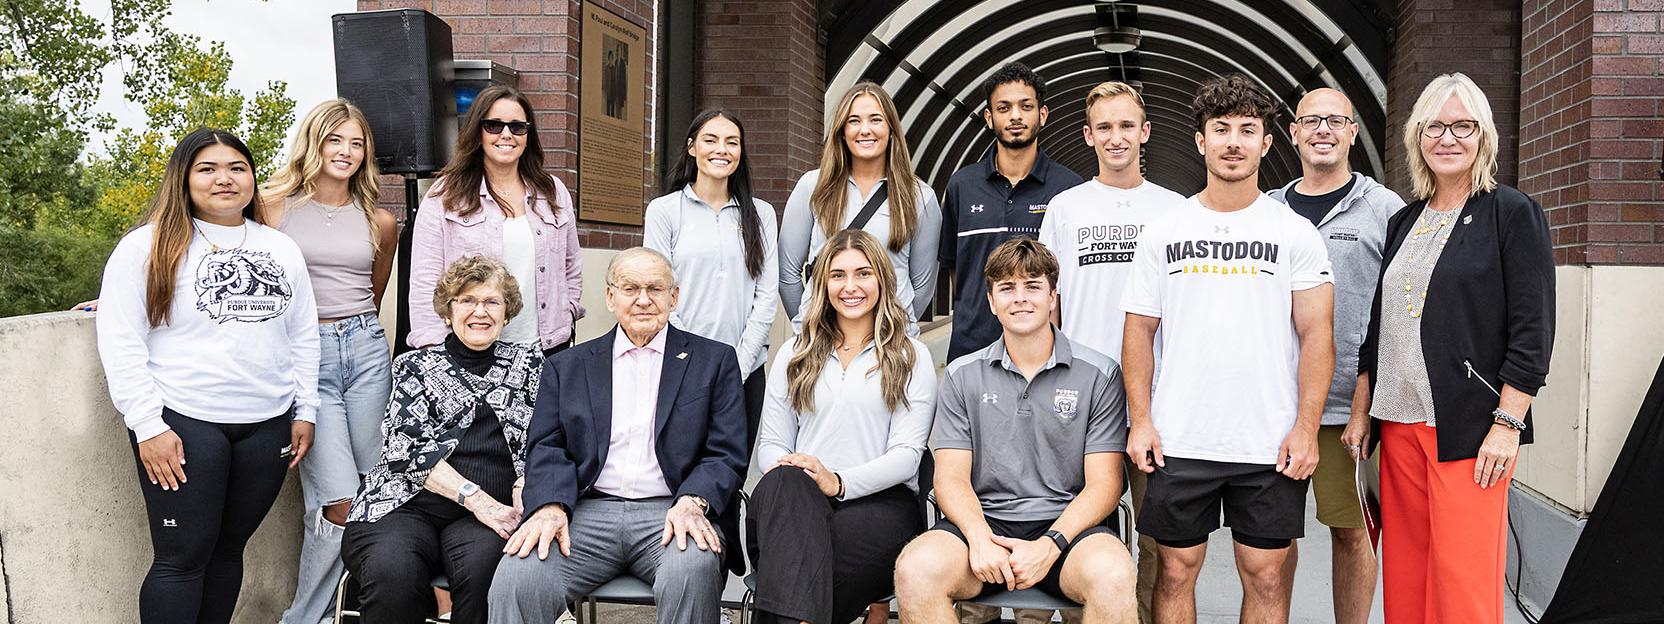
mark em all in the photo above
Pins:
pixel 1057 538
pixel 704 507
pixel 468 489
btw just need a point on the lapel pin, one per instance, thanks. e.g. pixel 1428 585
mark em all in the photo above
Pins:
pixel 1467 220
pixel 682 356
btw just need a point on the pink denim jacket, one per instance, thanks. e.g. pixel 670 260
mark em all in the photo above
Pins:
pixel 443 236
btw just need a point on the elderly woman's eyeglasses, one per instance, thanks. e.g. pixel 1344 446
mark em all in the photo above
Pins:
pixel 1459 129
pixel 1310 122
pixel 492 304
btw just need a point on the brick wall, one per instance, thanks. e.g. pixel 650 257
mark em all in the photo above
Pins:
pixel 540 39
pixel 763 60
pixel 1593 81
pixel 1480 38
pixel 1554 106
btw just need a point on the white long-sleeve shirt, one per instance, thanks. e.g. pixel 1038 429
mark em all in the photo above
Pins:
pixel 719 299
pixel 242 343
pixel 850 429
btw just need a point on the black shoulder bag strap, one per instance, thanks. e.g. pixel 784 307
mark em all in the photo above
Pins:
pixel 861 219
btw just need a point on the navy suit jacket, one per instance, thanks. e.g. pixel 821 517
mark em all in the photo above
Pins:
pixel 699 430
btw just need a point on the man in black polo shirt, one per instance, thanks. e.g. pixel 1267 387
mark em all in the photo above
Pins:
pixel 1002 196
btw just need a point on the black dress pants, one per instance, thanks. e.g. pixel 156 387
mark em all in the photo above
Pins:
pixel 396 557
pixel 823 561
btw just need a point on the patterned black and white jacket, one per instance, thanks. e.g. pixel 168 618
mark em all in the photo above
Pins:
pixel 434 400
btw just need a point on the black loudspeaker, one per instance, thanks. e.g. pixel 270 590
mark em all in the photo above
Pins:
pixel 396 66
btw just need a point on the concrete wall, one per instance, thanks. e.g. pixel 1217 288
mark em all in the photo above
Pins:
pixel 73 542
pixel 1607 347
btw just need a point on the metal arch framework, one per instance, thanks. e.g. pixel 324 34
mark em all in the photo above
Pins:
pixel 933 55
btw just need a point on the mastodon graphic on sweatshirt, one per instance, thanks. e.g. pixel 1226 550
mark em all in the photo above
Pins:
pixel 241 285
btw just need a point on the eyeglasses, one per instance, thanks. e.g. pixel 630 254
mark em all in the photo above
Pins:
pixel 1310 122
pixel 1459 129
pixel 492 304
pixel 495 126
pixel 632 291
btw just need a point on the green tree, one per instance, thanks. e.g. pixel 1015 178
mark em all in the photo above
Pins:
pixel 182 87
pixel 60 213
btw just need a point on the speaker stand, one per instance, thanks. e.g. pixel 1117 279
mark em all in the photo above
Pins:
pixel 411 202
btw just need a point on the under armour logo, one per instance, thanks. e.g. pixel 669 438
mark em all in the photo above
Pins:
pixel 170 522
pixel 990 397
pixel 1221 229
pixel 1123 203
pixel 975 208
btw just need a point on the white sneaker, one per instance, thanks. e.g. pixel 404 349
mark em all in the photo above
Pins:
pixel 726 619
pixel 566 617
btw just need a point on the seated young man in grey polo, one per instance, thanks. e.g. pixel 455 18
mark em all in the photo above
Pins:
pixel 1030 434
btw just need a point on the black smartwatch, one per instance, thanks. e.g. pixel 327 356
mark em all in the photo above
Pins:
pixel 1057 538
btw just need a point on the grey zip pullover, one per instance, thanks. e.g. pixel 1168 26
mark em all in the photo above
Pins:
pixel 1355 231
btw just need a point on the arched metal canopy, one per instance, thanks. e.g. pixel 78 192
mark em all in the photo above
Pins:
pixel 933 55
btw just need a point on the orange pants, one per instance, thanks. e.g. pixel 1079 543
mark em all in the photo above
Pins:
pixel 1443 539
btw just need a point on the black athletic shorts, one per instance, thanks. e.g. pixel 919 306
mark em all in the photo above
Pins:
pixel 1032 530
pixel 1182 504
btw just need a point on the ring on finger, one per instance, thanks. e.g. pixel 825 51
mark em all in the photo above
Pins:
pixel 1499 467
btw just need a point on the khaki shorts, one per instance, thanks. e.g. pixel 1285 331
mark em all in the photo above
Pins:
pixel 1334 483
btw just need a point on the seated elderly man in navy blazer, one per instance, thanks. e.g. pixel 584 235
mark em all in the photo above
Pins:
pixel 637 443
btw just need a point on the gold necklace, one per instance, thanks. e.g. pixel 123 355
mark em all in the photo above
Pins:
pixel 843 349
pixel 214 247
pixel 330 212
pixel 1424 226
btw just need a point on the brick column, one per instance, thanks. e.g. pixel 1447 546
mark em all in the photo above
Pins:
pixel 1480 38
pixel 540 39
pixel 1592 84
pixel 764 61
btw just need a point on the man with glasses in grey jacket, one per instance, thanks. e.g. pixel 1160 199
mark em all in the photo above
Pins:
pixel 1350 210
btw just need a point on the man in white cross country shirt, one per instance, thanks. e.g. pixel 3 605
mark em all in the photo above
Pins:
pixel 1093 230
pixel 1241 289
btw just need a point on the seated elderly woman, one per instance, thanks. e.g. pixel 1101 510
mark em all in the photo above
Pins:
pixel 444 497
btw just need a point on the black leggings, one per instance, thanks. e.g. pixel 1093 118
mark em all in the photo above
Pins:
pixel 233 474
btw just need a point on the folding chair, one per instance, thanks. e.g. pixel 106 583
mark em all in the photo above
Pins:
pixel 1033 598
pixel 439 582
pixel 624 589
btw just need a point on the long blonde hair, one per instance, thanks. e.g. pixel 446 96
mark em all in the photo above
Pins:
pixel 830 197
pixel 1483 176
pixel 821 334
pixel 298 179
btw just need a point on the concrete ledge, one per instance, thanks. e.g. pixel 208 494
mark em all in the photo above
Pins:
pixel 1546 535
pixel 73 539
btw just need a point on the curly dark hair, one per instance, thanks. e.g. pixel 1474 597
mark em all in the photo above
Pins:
pixel 1014 72
pixel 1233 95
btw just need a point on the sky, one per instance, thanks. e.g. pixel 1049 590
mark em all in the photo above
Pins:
pixel 288 40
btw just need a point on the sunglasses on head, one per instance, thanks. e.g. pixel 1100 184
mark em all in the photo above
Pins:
pixel 495 126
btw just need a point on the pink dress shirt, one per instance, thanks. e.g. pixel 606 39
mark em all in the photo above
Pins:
pixel 441 236
pixel 632 468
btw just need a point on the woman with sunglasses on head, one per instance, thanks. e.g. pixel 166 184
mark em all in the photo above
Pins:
pixel 325 199
pixel 494 199
pixel 864 154
pixel 209 340
pixel 1458 344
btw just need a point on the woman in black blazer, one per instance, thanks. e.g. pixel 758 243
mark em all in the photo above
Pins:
pixel 1458 344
